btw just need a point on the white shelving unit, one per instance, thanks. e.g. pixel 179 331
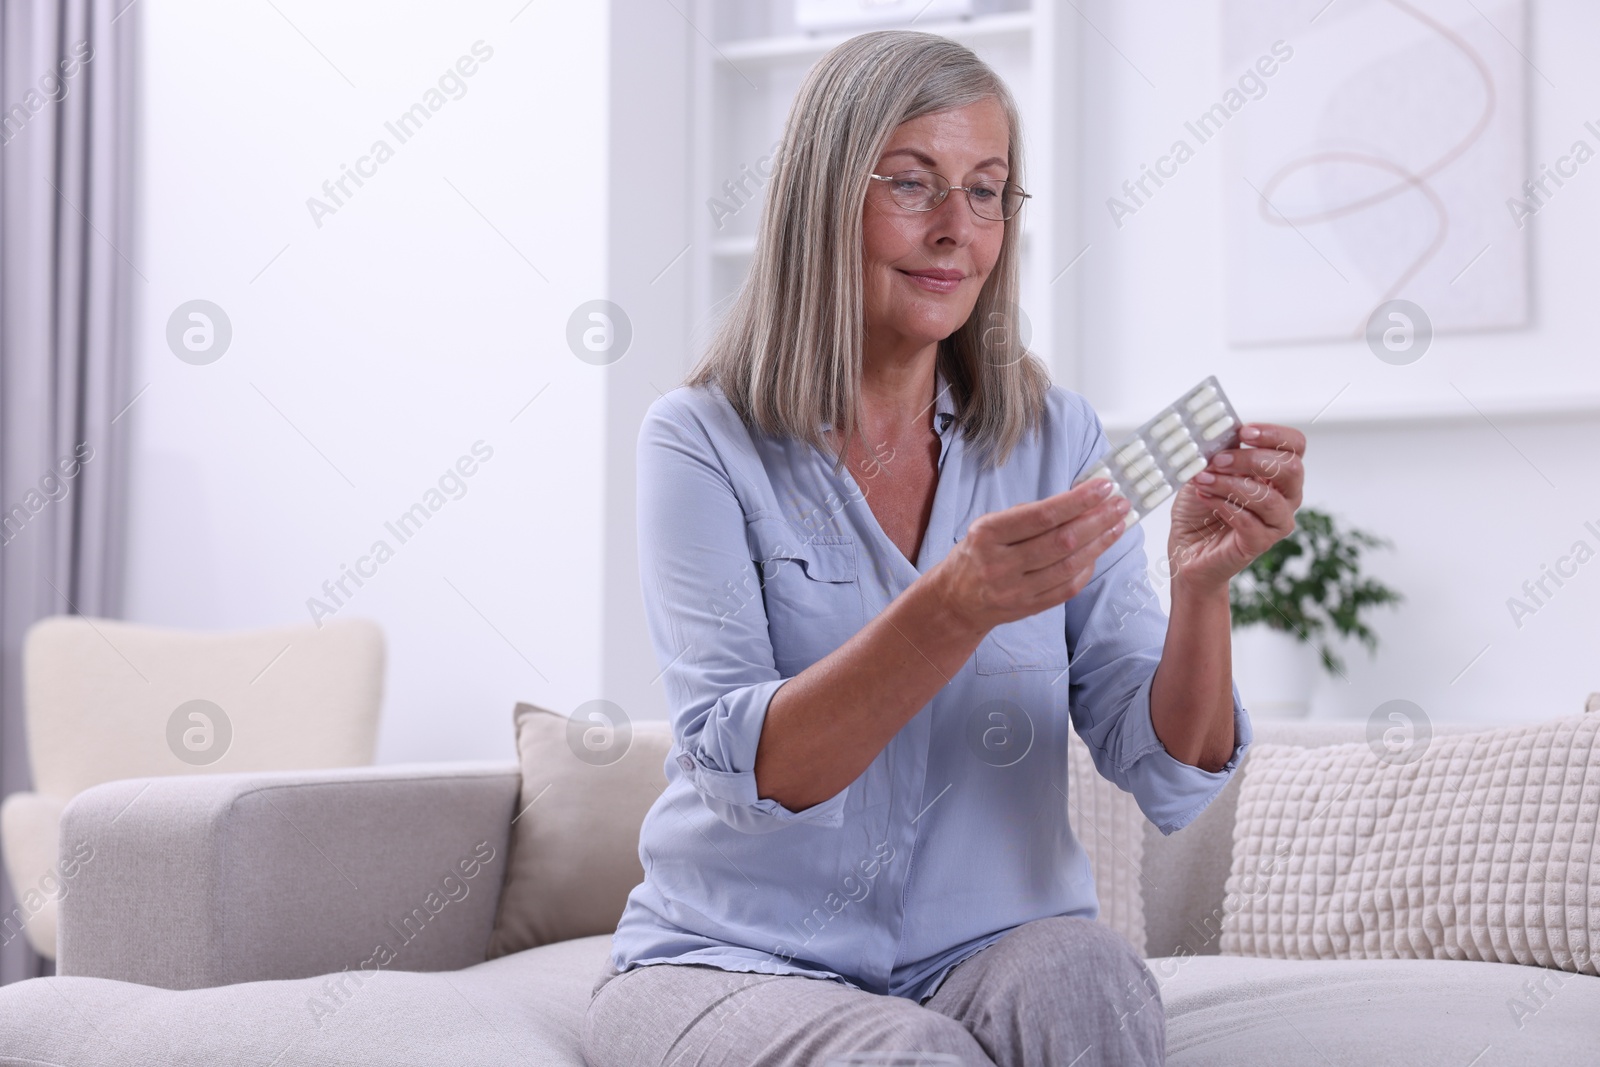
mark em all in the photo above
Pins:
pixel 973 31
pixel 748 63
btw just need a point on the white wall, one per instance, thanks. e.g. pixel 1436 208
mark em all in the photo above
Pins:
pixel 1474 505
pixel 406 328
pixel 376 349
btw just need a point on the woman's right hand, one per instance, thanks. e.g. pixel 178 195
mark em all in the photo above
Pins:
pixel 1021 560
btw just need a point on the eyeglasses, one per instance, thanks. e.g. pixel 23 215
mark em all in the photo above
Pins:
pixel 923 190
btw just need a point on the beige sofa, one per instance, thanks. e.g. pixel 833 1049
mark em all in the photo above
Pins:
pixel 107 699
pixel 226 919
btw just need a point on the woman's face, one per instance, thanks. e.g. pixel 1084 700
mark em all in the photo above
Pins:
pixel 924 269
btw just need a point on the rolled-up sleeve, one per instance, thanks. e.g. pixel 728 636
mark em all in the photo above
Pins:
pixel 1116 630
pixel 707 622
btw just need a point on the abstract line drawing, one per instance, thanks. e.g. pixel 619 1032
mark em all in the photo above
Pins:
pixel 1378 168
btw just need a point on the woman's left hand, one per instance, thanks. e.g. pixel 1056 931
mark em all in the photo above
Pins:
pixel 1238 507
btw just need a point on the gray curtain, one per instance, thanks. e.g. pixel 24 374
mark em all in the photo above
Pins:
pixel 66 277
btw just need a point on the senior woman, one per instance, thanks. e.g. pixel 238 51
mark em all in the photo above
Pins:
pixel 877 604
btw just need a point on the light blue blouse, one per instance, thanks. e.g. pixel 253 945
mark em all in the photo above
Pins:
pixel 756 560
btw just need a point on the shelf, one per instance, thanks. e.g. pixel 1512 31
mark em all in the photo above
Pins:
pixel 733 247
pixel 745 245
pixel 745 77
pixel 800 46
pixel 1430 413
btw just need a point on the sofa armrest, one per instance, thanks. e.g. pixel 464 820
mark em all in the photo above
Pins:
pixel 206 880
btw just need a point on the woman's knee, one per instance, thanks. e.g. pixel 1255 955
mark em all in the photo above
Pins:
pixel 1106 972
pixel 1052 985
pixel 1070 943
pixel 668 1012
pixel 921 1030
pixel 1068 948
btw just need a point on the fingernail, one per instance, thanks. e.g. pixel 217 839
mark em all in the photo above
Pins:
pixel 1102 486
pixel 1223 459
pixel 1205 477
pixel 1250 433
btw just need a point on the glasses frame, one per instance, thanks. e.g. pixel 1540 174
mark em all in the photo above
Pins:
pixel 949 188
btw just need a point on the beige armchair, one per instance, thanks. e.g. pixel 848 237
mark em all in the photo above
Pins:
pixel 106 700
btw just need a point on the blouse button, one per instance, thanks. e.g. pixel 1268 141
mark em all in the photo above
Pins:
pixel 686 762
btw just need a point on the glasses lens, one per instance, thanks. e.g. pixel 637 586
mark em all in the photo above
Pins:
pixel 996 200
pixel 917 190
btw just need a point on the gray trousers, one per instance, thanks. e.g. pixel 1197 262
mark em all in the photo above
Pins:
pixel 1057 992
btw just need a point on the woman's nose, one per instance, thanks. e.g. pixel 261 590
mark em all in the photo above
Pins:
pixel 953 218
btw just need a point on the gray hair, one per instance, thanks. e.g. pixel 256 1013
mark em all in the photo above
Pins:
pixel 788 353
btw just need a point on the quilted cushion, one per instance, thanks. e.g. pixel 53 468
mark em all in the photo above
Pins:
pixel 1479 847
pixel 1109 825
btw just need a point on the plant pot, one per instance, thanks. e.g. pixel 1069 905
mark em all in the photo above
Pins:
pixel 1275 672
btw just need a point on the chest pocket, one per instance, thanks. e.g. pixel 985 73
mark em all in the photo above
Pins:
pixel 810 589
pixel 1036 643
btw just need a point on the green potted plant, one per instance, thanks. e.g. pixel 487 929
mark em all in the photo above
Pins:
pixel 1291 602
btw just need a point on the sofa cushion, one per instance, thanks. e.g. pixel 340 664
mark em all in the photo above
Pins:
pixel 1184 875
pixel 1231 1011
pixel 524 1009
pixel 527 1008
pixel 574 855
pixel 1478 846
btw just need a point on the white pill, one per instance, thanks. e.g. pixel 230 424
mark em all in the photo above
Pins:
pixel 1156 496
pixel 1171 422
pixel 1201 398
pixel 1127 454
pixel 1174 446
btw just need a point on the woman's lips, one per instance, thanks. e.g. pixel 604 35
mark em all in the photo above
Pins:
pixel 936 281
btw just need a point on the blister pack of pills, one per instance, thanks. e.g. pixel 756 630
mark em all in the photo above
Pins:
pixel 1167 451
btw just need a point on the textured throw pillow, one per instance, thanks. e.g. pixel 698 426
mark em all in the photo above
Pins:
pixel 1110 826
pixel 1476 846
pixel 574 857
